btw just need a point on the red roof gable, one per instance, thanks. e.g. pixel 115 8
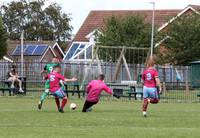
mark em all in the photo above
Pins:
pixel 95 19
pixel 196 7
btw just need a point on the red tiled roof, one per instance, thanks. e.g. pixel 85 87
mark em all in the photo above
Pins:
pixel 95 19
pixel 196 7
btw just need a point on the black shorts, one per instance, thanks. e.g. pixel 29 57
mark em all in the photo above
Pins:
pixel 87 105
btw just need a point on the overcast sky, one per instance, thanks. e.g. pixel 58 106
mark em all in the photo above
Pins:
pixel 79 9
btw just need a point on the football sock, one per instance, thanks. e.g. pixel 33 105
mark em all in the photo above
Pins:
pixel 64 101
pixel 57 102
pixel 145 104
pixel 43 96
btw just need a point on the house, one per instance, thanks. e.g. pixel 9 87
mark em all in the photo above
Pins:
pixel 95 20
pixel 34 51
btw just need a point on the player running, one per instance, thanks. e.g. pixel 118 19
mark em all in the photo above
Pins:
pixel 55 88
pixel 151 81
pixel 47 69
pixel 94 90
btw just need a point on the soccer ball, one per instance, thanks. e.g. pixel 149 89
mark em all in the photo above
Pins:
pixel 73 106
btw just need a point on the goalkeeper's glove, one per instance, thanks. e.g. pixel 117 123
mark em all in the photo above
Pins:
pixel 115 95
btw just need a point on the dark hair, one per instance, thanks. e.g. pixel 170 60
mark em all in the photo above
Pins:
pixel 13 69
pixel 101 77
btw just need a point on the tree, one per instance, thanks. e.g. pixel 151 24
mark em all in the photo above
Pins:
pixel 37 21
pixel 13 18
pixel 3 40
pixel 35 15
pixel 130 31
pixel 58 22
pixel 183 44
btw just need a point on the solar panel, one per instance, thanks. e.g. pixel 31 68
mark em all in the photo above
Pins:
pixel 29 50
pixel 40 50
pixel 17 50
pixel 72 50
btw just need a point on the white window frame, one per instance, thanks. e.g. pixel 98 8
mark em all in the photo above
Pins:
pixel 75 42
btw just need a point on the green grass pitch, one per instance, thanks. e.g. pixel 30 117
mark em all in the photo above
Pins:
pixel 19 118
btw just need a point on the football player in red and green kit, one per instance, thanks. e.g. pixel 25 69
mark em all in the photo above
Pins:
pixel 47 69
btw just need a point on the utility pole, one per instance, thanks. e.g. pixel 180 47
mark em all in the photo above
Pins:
pixel 152 30
pixel 22 54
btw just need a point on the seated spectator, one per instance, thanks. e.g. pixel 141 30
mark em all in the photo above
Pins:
pixel 13 77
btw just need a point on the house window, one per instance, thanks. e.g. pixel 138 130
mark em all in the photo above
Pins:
pixel 75 49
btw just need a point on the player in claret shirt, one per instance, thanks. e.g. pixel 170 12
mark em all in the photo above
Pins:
pixel 55 87
pixel 151 86
pixel 47 69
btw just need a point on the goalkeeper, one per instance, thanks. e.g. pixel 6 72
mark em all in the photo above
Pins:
pixel 47 69
pixel 93 90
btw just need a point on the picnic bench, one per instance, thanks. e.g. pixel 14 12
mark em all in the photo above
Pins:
pixel 198 95
pixel 135 91
pixel 123 90
pixel 74 88
pixel 6 86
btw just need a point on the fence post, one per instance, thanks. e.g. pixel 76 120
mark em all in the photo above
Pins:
pixel 164 88
pixel 187 90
